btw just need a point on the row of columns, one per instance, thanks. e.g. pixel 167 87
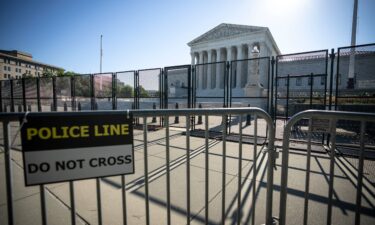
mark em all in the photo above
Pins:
pixel 209 74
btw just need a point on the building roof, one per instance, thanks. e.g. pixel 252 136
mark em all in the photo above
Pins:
pixel 28 59
pixel 225 30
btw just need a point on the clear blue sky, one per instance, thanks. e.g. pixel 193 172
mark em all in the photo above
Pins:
pixel 142 34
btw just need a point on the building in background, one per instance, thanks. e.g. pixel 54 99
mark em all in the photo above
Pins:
pixel 16 64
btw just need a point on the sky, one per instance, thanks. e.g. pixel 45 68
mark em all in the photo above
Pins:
pixel 142 34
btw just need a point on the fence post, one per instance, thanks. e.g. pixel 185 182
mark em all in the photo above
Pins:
pixel 311 88
pixel 154 117
pixel 24 94
pixel 176 119
pixel 287 98
pixel 332 57
pixel 272 87
pixel 38 94
pixel 29 108
pixel 11 96
pixel 200 116
pixel 248 118
pixel 54 108
pixel 65 107
pixel 79 106
pixel 8 170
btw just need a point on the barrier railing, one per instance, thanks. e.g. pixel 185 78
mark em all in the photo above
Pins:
pixel 170 164
pixel 326 122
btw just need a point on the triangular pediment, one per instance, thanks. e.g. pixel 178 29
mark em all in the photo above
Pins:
pixel 225 30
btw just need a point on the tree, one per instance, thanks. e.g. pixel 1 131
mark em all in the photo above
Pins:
pixel 125 91
pixel 142 92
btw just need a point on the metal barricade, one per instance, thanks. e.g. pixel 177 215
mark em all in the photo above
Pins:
pixel 326 122
pixel 167 170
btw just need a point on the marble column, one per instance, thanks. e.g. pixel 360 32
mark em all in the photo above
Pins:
pixel 208 75
pixel 219 66
pixel 192 58
pixel 249 63
pixel 200 71
pixel 239 66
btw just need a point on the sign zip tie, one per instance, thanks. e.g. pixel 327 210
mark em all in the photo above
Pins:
pixel 24 120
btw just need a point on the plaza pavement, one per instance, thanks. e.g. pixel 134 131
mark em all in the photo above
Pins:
pixel 27 199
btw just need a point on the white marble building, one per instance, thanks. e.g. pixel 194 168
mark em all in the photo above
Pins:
pixel 228 42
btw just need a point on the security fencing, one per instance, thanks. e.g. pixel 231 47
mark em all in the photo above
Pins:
pixel 168 185
pixel 283 86
pixel 334 188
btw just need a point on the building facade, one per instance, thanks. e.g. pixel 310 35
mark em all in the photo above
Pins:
pixel 16 64
pixel 231 42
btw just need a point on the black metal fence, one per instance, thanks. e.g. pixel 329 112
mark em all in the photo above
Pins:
pixel 283 86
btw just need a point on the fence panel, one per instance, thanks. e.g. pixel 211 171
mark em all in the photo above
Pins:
pixel 83 89
pixel 301 82
pixel 177 90
pixel 355 79
pixel 167 185
pixel 31 94
pixel 46 94
pixel 338 189
pixel 63 90
pixel 103 91
pixel 6 95
pixel 149 91
pixel 125 90
pixel 210 91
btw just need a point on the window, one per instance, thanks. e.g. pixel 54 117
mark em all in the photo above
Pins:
pixel 322 80
pixel 299 81
pixel 9 68
pixel 311 81
pixel 20 70
pixel 5 68
pixel 5 76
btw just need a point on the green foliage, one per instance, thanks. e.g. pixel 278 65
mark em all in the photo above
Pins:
pixel 143 93
pixel 125 91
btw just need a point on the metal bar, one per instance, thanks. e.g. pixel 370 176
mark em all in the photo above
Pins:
pixel 114 91
pixel 287 99
pixel 23 95
pixel 38 94
pixel 325 82
pixel 167 157
pixel 272 87
pixel 207 167
pixel 360 174
pixel 307 181
pixel 54 94
pixel 147 203
pixel 43 204
pixel 188 169
pixel 254 167
pixel 8 170
pixel 270 167
pixel 72 93
pixel 11 96
pixel 72 203
pixel 99 201
pixel 337 77
pixel 224 170
pixel 332 56
pixel 355 116
pixel 1 96
pixel 123 192
pixel 331 170
pixel 239 208
pixel 311 88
